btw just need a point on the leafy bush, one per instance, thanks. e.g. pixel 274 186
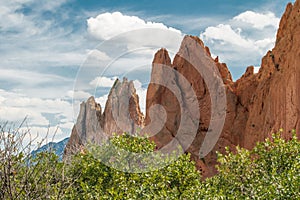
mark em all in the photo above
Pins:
pixel 270 171
pixel 98 181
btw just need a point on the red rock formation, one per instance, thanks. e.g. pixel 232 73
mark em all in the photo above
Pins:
pixel 122 111
pixel 87 127
pixel 194 63
pixel 275 103
pixel 257 104
pixel 121 114
pixel 194 97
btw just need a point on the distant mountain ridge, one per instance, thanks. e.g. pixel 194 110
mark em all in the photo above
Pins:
pixel 56 147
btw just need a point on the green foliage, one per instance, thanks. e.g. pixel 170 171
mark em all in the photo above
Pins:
pixel 98 181
pixel 270 171
pixel 36 178
pixel 24 176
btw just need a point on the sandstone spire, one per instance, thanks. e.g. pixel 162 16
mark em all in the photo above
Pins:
pixel 121 114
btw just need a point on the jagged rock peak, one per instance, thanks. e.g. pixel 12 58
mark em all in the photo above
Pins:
pixel 192 48
pixel 289 21
pixel 87 127
pixel 121 114
pixel 162 57
pixel 189 41
pixel 122 111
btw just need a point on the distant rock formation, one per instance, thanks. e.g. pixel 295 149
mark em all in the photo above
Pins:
pixel 122 110
pixel 121 113
pixel 180 99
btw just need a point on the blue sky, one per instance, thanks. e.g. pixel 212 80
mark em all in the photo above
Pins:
pixel 55 54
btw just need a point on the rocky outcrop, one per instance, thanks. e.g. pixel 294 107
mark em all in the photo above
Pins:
pixel 193 102
pixel 257 105
pixel 87 127
pixel 275 103
pixel 121 114
pixel 122 111
pixel 188 90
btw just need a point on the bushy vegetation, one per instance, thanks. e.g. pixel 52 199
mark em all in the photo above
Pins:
pixel 270 171
pixel 98 181
pixel 23 176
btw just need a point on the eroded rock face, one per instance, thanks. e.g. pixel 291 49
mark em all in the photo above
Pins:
pixel 276 101
pixel 87 127
pixel 122 111
pixel 202 78
pixel 121 114
pixel 257 105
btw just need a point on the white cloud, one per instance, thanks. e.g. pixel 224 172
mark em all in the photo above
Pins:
pixel 242 40
pixel 14 107
pixel 103 81
pixel 267 43
pixel 225 33
pixel 16 114
pixel 11 19
pixel 102 100
pixel 108 25
pixel 98 55
pixel 258 20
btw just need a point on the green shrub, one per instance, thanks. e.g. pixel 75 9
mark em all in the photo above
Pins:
pixel 270 171
pixel 98 181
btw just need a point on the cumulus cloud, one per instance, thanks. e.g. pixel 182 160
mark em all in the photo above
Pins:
pixel 225 33
pixel 108 25
pixel 14 107
pixel 17 114
pixel 258 20
pixel 242 40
